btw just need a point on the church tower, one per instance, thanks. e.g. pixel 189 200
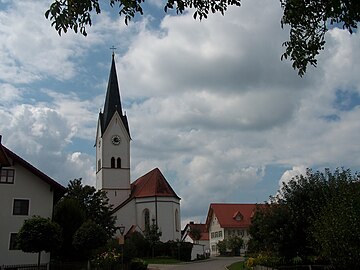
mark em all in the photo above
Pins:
pixel 113 145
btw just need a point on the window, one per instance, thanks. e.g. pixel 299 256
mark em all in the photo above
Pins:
pixel 177 220
pixel 118 163
pixel 21 207
pixel 13 244
pixel 7 176
pixel 112 162
pixel 99 164
pixel 146 216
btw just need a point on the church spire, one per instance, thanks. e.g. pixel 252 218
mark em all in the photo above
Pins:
pixel 112 100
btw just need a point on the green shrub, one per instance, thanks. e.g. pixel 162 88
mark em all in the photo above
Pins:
pixel 138 264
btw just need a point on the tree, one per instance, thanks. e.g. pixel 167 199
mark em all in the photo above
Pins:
pixel 309 20
pixel 89 237
pixel 39 234
pixel 221 246
pixel 76 14
pixel 69 214
pixel 82 205
pixel 337 228
pixel 315 216
pixel 94 203
pixel 152 235
pixel 234 243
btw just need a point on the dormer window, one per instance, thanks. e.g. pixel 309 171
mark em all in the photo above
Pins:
pixel 238 216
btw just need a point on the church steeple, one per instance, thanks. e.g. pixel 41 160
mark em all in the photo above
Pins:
pixel 112 100
pixel 113 145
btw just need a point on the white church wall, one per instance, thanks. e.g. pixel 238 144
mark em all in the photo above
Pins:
pixel 167 208
pixel 126 216
pixel 164 208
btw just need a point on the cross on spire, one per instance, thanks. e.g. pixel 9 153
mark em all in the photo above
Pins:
pixel 113 49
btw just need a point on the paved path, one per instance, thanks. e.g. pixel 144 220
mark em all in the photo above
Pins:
pixel 218 263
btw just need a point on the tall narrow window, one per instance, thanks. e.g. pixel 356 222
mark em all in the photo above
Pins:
pixel 118 163
pixel 177 221
pixel 146 217
pixel 112 162
pixel 99 164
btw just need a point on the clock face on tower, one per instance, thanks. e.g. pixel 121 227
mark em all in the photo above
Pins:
pixel 115 139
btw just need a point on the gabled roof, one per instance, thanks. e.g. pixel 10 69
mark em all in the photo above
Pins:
pixel 231 215
pixel 4 160
pixel 152 184
pixel 112 101
pixel 204 234
pixel 16 159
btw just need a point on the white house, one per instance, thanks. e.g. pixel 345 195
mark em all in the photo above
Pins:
pixel 25 191
pixel 226 220
pixel 198 235
pixel 149 199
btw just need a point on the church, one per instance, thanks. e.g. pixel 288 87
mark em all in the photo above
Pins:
pixel 148 200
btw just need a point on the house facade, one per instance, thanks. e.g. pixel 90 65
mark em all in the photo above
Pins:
pixel 25 191
pixel 227 220
pixel 148 200
pixel 197 234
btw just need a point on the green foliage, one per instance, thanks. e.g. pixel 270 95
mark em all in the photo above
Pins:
pixel 85 209
pixel 70 215
pixel 136 246
pixel 309 21
pixel 39 234
pixel 94 203
pixel 315 216
pixel 107 258
pixel 89 237
pixel 76 14
pixel 337 228
pixel 222 246
pixel 138 264
pixel 234 242
pixel 153 234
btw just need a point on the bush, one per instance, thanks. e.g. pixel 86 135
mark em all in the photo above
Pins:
pixel 138 264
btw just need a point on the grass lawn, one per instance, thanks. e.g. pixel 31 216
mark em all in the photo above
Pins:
pixel 161 260
pixel 237 266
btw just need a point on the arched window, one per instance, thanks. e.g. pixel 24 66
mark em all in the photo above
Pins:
pixel 177 220
pixel 118 163
pixel 112 162
pixel 146 219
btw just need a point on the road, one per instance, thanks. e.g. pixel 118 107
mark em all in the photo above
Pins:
pixel 218 263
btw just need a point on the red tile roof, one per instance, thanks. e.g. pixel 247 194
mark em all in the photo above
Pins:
pixel 152 184
pixel 204 234
pixel 227 213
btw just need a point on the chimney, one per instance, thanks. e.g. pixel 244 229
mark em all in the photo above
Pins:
pixel 191 222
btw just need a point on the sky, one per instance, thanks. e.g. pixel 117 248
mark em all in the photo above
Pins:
pixel 209 103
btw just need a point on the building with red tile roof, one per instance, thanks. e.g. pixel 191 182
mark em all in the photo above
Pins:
pixel 148 200
pixel 197 234
pixel 225 220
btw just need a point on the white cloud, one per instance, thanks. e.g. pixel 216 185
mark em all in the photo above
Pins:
pixel 209 103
